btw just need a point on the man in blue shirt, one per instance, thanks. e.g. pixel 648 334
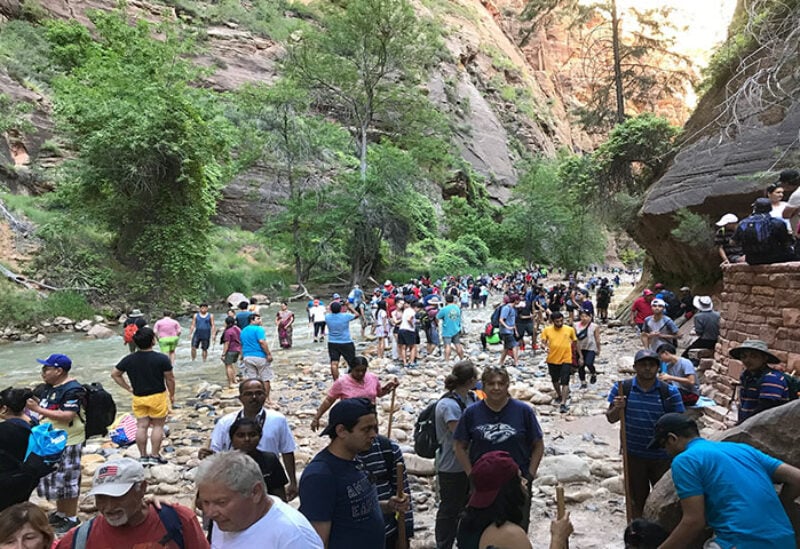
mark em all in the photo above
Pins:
pixel 761 386
pixel 644 400
pixel 729 486
pixel 340 344
pixel 508 330
pixel 256 357
pixel 450 315
pixel 336 494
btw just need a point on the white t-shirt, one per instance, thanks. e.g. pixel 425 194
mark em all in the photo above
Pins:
pixel 276 437
pixel 777 211
pixel 794 201
pixel 283 527
pixel 408 319
pixel 317 313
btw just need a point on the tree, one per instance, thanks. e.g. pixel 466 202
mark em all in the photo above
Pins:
pixel 152 149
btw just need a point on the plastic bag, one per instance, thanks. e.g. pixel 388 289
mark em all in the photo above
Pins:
pixel 46 442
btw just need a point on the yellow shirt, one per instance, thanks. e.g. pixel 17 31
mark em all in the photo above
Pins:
pixel 559 341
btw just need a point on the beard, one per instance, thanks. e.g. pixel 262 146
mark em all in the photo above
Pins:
pixel 119 517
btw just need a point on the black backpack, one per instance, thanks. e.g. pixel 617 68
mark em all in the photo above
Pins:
pixel 99 408
pixel 425 440
pixel 495 320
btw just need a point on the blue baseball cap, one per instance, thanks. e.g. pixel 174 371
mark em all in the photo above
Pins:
pixel 57 360
pixel 347 410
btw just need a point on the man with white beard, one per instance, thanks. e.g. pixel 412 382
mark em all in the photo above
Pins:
pixel 125 519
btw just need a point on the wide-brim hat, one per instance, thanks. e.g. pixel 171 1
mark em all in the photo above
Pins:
pixel 757 345
pixel 703 303
pixel 136 313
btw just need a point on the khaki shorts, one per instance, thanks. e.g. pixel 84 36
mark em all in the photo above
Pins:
pixel 257 368
pixel 155 406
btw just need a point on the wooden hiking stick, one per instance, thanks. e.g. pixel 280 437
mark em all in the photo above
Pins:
pixel 561 506
pixel 623 442
pixel 401 517
pixel 391 415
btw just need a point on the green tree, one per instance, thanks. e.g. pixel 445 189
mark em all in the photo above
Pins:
pixel 152 149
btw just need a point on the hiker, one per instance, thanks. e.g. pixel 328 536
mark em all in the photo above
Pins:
pixel 407 333
pixel 232 493
pixel 792 177
pixel 61 404
pixel 761 387
pixel 452 480
pixel 679 373
pixel 168 330
pixel 340 343
pixel 641 308
pixel 135 320
pixel 284 320
pixel 243 315
pixel 561 343
pixel 231 349
pixel 25 526
pixel 643 400
pixel 603 297
pixel 508 330
pixel 706 325
pixel 588 345
pixel 764 239
pixel 356 383
pixel 336 494
pixel 256 356
pixel 774 192
pixel 729 250
pixel 450 315
pixel 245 434
pixel 658 328
pixel 717 481
pixel 316 315
pixel 125 519
pixel 201 331
pixel 500 422
pixel 276 436
pixel 152 384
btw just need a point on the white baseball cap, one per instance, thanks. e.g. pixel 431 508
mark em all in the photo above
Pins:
pixel 727 218
pixel 116 477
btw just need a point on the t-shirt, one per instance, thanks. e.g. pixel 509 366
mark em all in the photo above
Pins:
pixel 339 327
pixel 724 238
pixel 317 313
pixel 274 476
pixel 524 312
pixel 407 322
pixel 347 387
pixel 513 429
pixel 588 343
pixel 767 385
pixel 167 327
pixel 145 370
pixel 683 368
pixel 451 320
pixel 250 337
pixel 66 397
pixel 641 309
pixel 447 410
pixel 508 314
pixel 142 536
pixel 794 201
pixel 336 490
pixel 734 477
pixel 706 325
pixel 559 342
pixel 276 437
pixel 663 326
pixel 243 319
pixel 233 336
pixel 282 527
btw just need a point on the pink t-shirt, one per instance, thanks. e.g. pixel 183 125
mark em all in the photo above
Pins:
pixel 347 387
pixel 167 327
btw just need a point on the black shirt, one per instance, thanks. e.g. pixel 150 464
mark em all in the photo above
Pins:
pixel 145 370
pixel 274 476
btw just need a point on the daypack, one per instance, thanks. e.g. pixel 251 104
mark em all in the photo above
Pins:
pixel 47 443
pixel 663 392
pixel 128 333
pixel 169 518
pixel 425 440
pixel 99 408
pixel 495 320
pixel 756 232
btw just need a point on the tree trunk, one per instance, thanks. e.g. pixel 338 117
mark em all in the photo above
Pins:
pixel 617 63
pixel 362 152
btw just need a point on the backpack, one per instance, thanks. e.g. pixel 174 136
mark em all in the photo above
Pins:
pixel 100 409
pixel 756 231
pixel 128 333
pixel 603 293
pixel 663 392
pixel 495 320
pixel 169 518
pixel 425 441
pixel 47 443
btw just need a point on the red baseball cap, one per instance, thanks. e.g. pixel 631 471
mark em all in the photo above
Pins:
pixel 489 474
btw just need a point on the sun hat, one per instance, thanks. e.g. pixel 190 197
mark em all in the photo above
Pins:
pixel 725 219
pixel 666 424
pixel 136 313
pixel 489 474
pixel 703 303
pixel 758 345
pixel 347 410
pixel 116 477
pixel 57 360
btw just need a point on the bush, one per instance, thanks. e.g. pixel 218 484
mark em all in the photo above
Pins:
pixel 20 307
pixel 693 229
pixel 68 303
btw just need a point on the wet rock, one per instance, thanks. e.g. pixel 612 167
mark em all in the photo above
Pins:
pixel 566 468
pixel 83 326
pixel 99 331
pixel 419 465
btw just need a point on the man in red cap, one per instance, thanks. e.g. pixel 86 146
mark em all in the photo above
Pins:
pixel 641 308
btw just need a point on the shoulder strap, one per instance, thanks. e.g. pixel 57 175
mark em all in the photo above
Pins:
pixel 663 390
pixel 82 535
pixel 172 524
pixel 455 397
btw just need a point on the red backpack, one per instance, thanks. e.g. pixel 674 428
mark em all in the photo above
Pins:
pixel 130 329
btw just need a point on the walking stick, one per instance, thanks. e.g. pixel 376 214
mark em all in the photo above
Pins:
pixel 401 517
pixel 561 506
pixel 624 447
pixel 391 414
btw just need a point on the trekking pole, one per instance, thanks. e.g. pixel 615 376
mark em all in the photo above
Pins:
pixel 623 442
pixel 391 414
pixel 561 506
pixel 401 517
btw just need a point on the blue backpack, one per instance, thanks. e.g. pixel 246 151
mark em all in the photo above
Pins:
pixel 169 518
pixel 47 443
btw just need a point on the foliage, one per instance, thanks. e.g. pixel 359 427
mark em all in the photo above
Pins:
pixel 23 307
pixel 693 229
pixel 13 115
pixel 153 150
pixel 632 257
pixel 25 53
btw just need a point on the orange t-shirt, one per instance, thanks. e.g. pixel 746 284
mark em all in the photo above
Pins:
pixel 559 342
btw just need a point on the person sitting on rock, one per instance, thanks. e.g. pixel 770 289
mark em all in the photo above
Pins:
pixel 716 481
pixel 729 250
pixel 125 519
pixel 276 436
pixel 761 387
pixel 764 239
pixel 706 325
pixel 680 373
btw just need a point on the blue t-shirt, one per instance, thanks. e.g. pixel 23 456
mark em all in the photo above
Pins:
pixel 513 429
pixel 740 501
pixel 339 327
pixel 642 411
pixel 508 314
pixel 243 319
pixel 336 490
pixel 451 320
pixel 250 338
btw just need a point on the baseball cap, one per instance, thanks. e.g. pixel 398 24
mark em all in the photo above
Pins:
pixel 57 360
pixel 347 410
pixel 489 474
pixel 647 291
pixel 645 354
pixel 116 478
pixel 725 219
pixel 136 313
pixel 658 301
pixel 337 296
pixel 666 424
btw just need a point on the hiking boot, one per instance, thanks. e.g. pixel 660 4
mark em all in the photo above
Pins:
pixel 593 379
pixel 158 460
pixel 64 525
pixel 563 409
pixel 583 385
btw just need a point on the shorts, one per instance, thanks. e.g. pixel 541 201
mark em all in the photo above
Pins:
pixel 154 406
pixel 407 337
pixel 454 339
pixel 432 336
pixel 231 357
pixel 65 481
pixel 560 373
pixel 509 341
pixel 525 328
pixel 168 344
pixel 256 367
pixel 339 350
pixel 201 340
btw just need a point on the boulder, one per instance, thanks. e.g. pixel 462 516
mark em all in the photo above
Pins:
pixel 566 468
pixel 419 466
pixel 99 331
pixel 83 326
pixel 165 474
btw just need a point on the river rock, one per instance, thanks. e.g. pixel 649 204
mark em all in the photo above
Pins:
pixel 566 468
pixel 63 321
pixel 417 465
pixel 98 331
pixel 86 459
pixel 83 326
pixel 614 485
pixel 165 473
pixel 167 489
pixel 41 338
pixel 603 469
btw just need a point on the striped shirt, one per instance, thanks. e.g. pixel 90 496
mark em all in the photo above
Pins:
pixel 642 410
pixel 759 385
